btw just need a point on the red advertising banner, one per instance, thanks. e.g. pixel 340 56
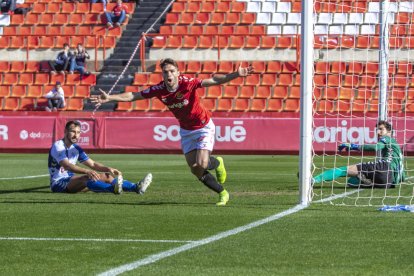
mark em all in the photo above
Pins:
pixel 231 134
pixel 162 133
pixel 27 132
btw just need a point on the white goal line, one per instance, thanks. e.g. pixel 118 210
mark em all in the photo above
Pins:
pixel 89 240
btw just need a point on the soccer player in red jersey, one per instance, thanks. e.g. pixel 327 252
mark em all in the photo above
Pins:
pixel 197 129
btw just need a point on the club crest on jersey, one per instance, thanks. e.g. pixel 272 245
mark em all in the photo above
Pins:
pixel 179 96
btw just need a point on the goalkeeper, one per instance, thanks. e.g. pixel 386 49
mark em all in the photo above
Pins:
pixel 385 172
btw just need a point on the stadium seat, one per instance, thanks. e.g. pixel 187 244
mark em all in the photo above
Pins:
pixel 193 66
pixel 253 79
pixel 268 79
pixel 230 91
pixel 213 92
pixel 209 104
pixel 53 8
pixel 17 42
pixel 154 79
pixel 280 92
pixel 284 80
pixel 142 105
pixel 68 7
pixel 351 81
pixel 34 91
pixel 224 105
pixel 247 92
pixel 356 68
pixel 11 104
pixel 55 78
pixel 209 67
pixel 18 91
pixel 359 106
pixel 322 67
pixel 325 106
pixel 140 79
pixel 369 81
pixel 259 66
pixel 69 90
pixel 4 91
pixel 186 19
pixel 88 80
pixel 47 42
pixel 257 105
pixel 25 79
pixel 274 67
pixel 241 105
pixel 338 67
pixel 17 66
pixel 27 104
pixel 248 18
pixel 74 104
pixel 10 78
pixel 405 67
pixel 268 42
pixel 82 91
pixel 124 106
pixel 274 105
pixel 291 105
pixel 72 79
pixel 263 92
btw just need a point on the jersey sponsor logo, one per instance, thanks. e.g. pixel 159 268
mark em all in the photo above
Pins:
pixel 179 105
pixel 179 96
pixel 230 133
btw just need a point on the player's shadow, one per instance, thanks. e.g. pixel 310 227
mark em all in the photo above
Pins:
pixel 27 190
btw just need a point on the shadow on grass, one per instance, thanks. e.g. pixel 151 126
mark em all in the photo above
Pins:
pixel 27 190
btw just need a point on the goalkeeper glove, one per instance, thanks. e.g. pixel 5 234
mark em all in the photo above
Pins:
pixel 348 146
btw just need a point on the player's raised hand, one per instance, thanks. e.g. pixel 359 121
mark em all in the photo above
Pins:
pixel 245 71
pixel 100 99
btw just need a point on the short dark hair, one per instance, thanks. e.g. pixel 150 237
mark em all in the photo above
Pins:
pixel 387 125
pixel 65 45
pixel 166 61
pixel 72 122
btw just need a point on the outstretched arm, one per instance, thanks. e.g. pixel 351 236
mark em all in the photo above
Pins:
pixel 100 167
pixel 123 97
pixel 217 80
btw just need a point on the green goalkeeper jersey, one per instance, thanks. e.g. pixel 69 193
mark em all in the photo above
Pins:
pixel 390 151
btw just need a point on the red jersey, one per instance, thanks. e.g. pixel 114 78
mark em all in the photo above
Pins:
pixel 183 103
pixel 118 9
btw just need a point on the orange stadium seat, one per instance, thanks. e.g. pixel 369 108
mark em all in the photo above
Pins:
pixel 253 79
pixel 10 78
pixel 17 42
pixel 60 19
pixel 205 42
pixel 193 7
pixel 247 92
pixel 237 7
pixel 178 7
pixel 257 105
pixel 368 81
pixel 4 66
pixel 230 91
pixel 324 106
pixel 72 79
pixel 34 91
pixel 248 18
pixel 124 106
pixel 213 92
pixel 56 77
pixel 225 67
pixel 217 18
pixel 291 105
pixel 322 67
pixel 82 91
pixel 154 79
pixel 89 80
pixel 83 7
pixel 338 67
pixel 140 79
pixel 75 104
pixel 47 42
pixel 193 67
pixel 252 42
pixel 274 67
pixel 224 104
pixel 333 80
pixel 18 91
pixel 53 8
pixel 241 105
pixel 232 18
pixel 209 67
pixel 274 105
pixel 17 66
pixel 285 79
pixel 26 79
pixel 41 78
pixel 268 79
pixel 207 7
pixel 189 42
pixel 10 103
pixel 142 105
pixel 68 7
pixel 263 92
pixel 222 7
pixel 351 81
pixel 27 104
pixel 371 68
pixel 4 91
pixel 280 92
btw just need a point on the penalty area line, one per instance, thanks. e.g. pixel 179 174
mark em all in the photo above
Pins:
pixel 24 177
pixel 168 253
pixel 89 240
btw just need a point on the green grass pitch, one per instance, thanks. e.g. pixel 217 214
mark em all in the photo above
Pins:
pixel 320 240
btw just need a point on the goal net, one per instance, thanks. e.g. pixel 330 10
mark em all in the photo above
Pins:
pixel 352 67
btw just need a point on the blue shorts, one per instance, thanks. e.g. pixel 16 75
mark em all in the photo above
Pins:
pixel 60 185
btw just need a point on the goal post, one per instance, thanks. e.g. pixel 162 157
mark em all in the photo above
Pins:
pixel 357 68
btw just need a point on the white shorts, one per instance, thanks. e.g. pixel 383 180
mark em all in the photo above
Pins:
pixel 202 138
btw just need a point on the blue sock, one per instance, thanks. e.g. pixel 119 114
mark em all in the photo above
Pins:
pixel 127 185
pixel 99 186
pixel 330 175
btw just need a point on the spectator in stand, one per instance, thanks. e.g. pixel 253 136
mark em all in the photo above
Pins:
pixel 7 6
pixel 55 98
pixel 78 61
pixel 62 60
pixel 118 14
